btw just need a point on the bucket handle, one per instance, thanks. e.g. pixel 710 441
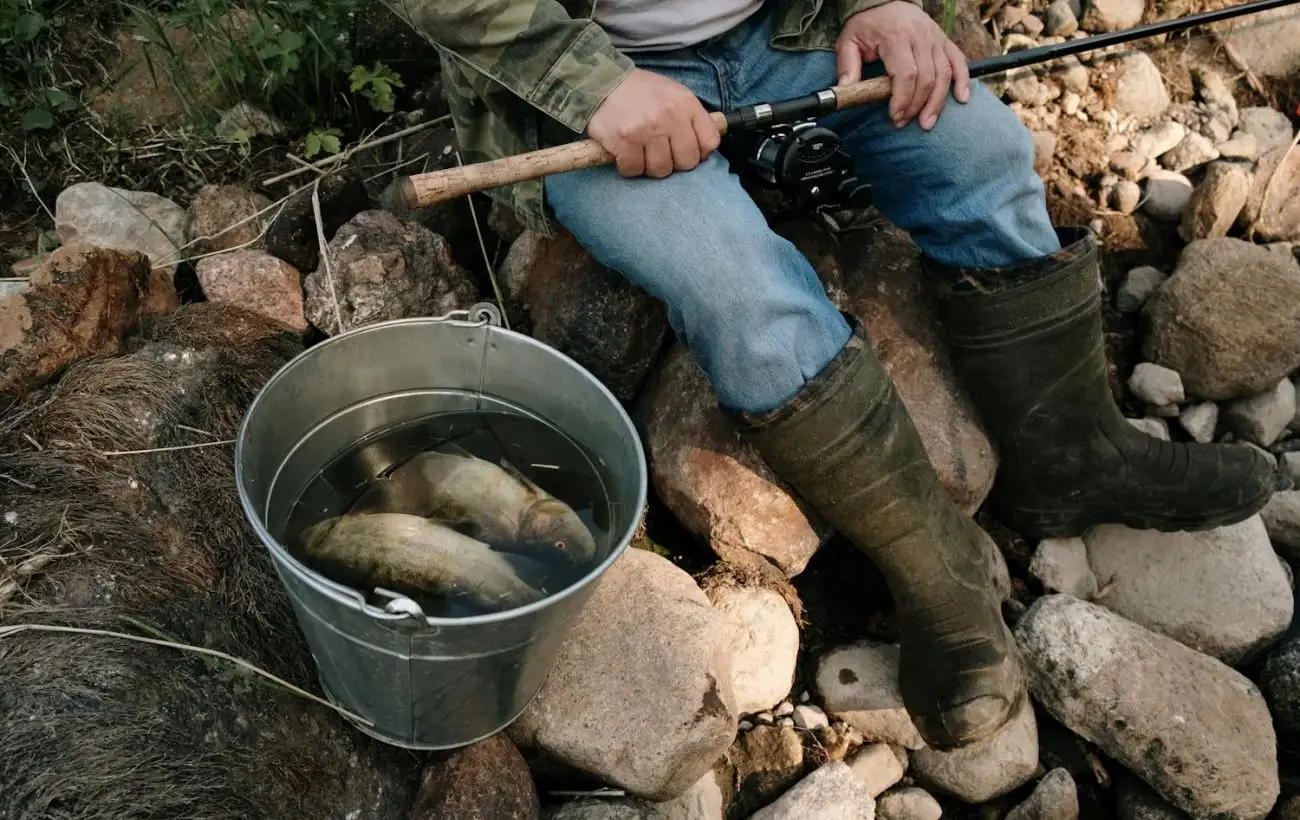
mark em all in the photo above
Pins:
pixel 397 604
pixel 480 313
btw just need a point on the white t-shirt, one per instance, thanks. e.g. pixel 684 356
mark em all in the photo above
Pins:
pixel 638 25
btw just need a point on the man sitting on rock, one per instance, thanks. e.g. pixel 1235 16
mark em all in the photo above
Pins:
pixel 1018 298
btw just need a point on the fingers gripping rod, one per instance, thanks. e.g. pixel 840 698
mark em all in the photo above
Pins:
pixel 422 190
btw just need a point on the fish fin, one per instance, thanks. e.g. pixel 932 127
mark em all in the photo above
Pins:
pixel 519 476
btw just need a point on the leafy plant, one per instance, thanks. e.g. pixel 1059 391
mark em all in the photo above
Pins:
pixel 29 90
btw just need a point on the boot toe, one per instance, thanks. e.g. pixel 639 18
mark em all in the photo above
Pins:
pixel 963 724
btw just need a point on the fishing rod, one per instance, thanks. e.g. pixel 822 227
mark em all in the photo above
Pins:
pixel 781 141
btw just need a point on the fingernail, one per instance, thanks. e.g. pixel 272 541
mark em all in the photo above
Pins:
pixel 929 122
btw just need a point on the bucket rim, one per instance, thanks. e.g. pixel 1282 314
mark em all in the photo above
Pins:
pixel 350 597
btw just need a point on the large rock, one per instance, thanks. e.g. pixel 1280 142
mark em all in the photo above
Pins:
pixel 79 302
pixel 1280 683
pixel 767 648
pixel 89 213
pixel 878 277
pixel 1135 800
pixel 226 217
pixel 1195 729
pixel 1221 591
pixel 717 486
pixel 486 781
pixel 1271 128
pixel 640 694
pixel 292 234
pixel 382 268
pixel 832 792
pixel 1268 42
pixel 257 281
pixel 1273 205
pixel 1228 320
pixel 985 770
pixel 1139 89
pixel 586 310
pixel 1216 202
pixel 859 684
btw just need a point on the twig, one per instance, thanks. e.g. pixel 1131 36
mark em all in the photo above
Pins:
pixel 22 166
pixel 6 631
pixel 1268 187
pixel 22 484
pixel 405 132
pixel 492 277
pixel 166 449
pixel 324 253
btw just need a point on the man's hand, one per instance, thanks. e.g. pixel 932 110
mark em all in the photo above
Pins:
pixel 653 125
pixel 919 57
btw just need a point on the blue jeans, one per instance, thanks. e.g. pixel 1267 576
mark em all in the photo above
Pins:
pixel 744 300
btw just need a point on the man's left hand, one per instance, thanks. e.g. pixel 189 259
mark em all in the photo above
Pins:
pixel 919 57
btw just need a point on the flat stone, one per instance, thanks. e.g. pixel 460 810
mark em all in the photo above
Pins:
pixel 1262 419
pixel 1159 138
pixel 1271 128
pixel 767 649
pixel 1217 202
pixel 1139 90
pixel 809 717
pixel 907 803
pixel 1200 421
pixel 985 770
pixel 1193 150
pixel 832 792
pixel 1195 729
pixel 859 685
pixel 1156 385
pixel 876 765
pixel 1240 146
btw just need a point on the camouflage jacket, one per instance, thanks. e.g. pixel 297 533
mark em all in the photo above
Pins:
pixel 515 69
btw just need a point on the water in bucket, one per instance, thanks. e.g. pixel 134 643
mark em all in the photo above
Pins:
pixel 530 448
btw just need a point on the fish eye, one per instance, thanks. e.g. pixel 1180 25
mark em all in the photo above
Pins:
pixel 560 545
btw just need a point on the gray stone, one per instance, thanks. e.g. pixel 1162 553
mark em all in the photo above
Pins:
pixel 1158 139
pixel 859 685
pixel 1132 165
pixel 1273 207
pixel 1228 320
pixel 832 792
pixel 1291 464
pixel 1219 591
pixel 1059 20
pixel 1055 797
pixel 594 808
pixel 1061 565
pixel 1156 385
pixel 876 765
pixel 1194 150
pixel 1268 42
pixel 226 217
pixel 767 648
pixel 907 803
pixel 1135 800
pixel 1168 193
pixel 1139 90
pixel 1271 128
pixel 1200 421
pixel 257 281
pixel 1126 196
pixel 640 694
pixel 1261 419
pixel 1031 25
pixel 1074 75
pixel 1281 517
pixel 1022 86
pixel 807 716
pixel 1216 202
pixel 1154 427
pixel 1240 146
pixel 703 801
pixel 1195 729
pixel 763 764
pixel 1138 286
pixel 1044 150
pixel 985 770
pixel 1112 15
pixel 1280 683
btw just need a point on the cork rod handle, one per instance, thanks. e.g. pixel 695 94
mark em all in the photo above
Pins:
pixel 422 190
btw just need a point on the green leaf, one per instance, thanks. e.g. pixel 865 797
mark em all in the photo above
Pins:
pixel 949 17
pixel 28 26
pixel 330 143
pixel 37 119
pixel 313 144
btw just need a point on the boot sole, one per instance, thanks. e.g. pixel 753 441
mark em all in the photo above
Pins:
pixel 1041 523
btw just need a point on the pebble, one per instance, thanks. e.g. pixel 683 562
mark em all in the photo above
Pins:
pixel 1159 138
pixel 1240 146
pixel 1070 102
pixel 1061 565
pixel 1270 127
pixel 805 696
pixel 1200 421
pixel 1164 411
pixel 1138 286
pixel 1060 20
pixel 1055 797
pixel 831 792
pixel 985 770
pixel 1156 385
pixel 1154 427
pixel 907 803
pixel 1168 195
pixel 1219 591
pixel 1032 25
pixel 784 709
pixel 1139 90
pixel 1195 729
pixel 1194 150
pixel 764 718
pixel 877 766
pixel 1010 16
pixel 1132 165
pixel 1112 15
pixel 1023 86
pixel 807 716
pixel 745 725
pixel 785 721
pixel 1261 419
pixel 1126 196
pixel 1074 75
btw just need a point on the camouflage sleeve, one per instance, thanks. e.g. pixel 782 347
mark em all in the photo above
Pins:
pixel 848 8
pixel 563 66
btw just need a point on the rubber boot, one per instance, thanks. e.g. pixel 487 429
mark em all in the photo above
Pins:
pixel 1027 345
pixel 847 446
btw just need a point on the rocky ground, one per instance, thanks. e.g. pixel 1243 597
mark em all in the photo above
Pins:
pixel 738 661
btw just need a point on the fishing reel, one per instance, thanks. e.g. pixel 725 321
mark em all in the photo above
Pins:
pixel 804 161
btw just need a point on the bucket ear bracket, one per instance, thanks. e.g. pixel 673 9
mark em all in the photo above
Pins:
pixel 398 604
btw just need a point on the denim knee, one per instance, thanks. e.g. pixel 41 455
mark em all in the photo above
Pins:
pixel 746 302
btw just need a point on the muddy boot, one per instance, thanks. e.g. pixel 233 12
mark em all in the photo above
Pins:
pixel 847 446
pixel 1027 345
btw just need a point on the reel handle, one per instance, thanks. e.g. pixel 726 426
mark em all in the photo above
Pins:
pixel 422 190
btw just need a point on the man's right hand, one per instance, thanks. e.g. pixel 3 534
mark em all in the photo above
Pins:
pixel 653 126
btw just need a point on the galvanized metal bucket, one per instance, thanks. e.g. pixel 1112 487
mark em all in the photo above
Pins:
pixel 417 681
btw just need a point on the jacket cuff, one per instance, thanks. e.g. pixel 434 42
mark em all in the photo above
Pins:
pixel 848 8
pixel 580 80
